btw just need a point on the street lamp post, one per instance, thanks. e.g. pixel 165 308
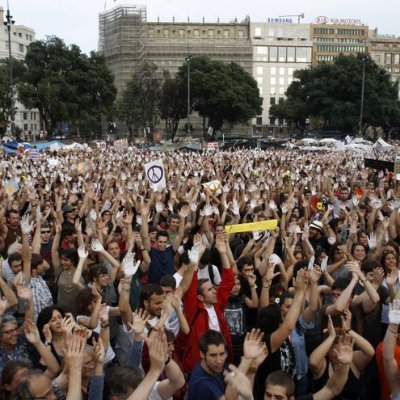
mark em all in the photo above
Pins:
pixel 188 59
pixel 364 60
pixel 9 22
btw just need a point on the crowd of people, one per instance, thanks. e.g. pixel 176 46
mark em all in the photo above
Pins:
pixel 114 289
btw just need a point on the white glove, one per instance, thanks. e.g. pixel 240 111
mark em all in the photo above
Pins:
pixel 129 266
pixel 324 264
pixel 208 210
pixel 272 205
pixel 235 207
pixel 82 253
pixel 38 214
pixel 26 227
pixel 355 201
pixel 93 215
pixel 226 188
pixel 159 207
pixel 394 312
pixel 193 207
pixel 372 241
pixel 194 254
pixel 274 259
pixel 97 246
pixel 256 235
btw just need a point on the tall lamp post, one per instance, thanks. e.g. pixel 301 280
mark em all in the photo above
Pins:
pixel 9 22
pixel 364 60
pixel 188 60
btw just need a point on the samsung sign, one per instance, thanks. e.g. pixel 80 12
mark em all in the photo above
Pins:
pixel 337 21
pixel 280 20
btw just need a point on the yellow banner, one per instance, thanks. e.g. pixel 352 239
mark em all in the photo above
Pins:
pixel 269 225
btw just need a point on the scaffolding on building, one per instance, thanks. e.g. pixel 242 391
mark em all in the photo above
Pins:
pixel 122 40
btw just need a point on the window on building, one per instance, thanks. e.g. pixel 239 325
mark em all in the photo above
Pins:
pixel 301 54
pixel 281 90
pixel 241 34
pixel 291 52
pixel 257 32
pixel 19 34
pixel 25 115
pixel 271 32
pixel 211 32
pixel 26 127
pixel 262 53
pixel 282 54
pixel 273 54
pixel 388 58
pixel 181 33
pixel 273 80
pixel 196 32
pixel 281 80
pixel 282 70
pixel 259 121
pixel 273 70
pixel 21 48
pixel 260 70
pixel 396 58
pixel 377 58
pixel 151 32
pixel 226 32
pixel 260 80
pixel 166 32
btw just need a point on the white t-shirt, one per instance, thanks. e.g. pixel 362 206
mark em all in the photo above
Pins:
pixel 213 322
pixel 204 274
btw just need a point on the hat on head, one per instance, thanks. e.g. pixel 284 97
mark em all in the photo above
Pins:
pixel 68 208
pixel 317 225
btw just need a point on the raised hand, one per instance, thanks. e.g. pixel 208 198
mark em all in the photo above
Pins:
pixel 314 275
pixel 47 333
pixel 220 244
pixel 239 382
pixel 139 320
pixel 26 227
pixel 99 350
pixel 343 350
pixel 391 277
pixel 274 259
pixel 301 280
pixel 346 320
pixel 93 215
pixel 104 314
pixel 82 252
pixel 253 345
pixel 73 354
pixel 97 246
pixel 194 254
pixel 31 332
pixel 394 312
pixel 372 242
pixel 129 265
pixel 24 292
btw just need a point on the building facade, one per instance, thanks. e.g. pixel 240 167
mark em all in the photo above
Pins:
pixel 385 51
pixel 169 44
pixel 278 50
pixel 21 38
pixel 331 39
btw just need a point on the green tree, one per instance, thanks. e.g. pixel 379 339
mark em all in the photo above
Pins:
pixel 5 99
pixel 66 85
pixel 139 104
pixel 221 92
pixel 173 103
pixel 331 92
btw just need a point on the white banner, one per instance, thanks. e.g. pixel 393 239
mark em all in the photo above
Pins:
pixel 121 144
pixel 155 174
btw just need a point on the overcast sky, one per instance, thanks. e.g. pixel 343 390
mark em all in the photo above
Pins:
pixel 76 21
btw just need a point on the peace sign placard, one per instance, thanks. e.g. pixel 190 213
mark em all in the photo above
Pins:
pixel 155 174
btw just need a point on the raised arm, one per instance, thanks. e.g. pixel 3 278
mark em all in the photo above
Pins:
pixel 289 323
pixel 55 257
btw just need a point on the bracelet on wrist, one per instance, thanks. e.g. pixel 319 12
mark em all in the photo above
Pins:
pixel 394 332
pixel 105 326
pixel 142 249
pixel 266 287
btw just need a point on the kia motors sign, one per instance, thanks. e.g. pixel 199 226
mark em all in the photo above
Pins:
pixel 337 21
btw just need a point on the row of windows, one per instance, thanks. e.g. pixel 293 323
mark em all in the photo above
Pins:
pixel 273 71
pixel 196 33
pixel 32 115
pixel 288 33
pixel 283 54
pixel 340 49
pixel 325 58
pixel 21 47
pixel 338 40
pixel 33 127
pixel 276 81
pixel 273 90
pixel 347 32
pixel 392 58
